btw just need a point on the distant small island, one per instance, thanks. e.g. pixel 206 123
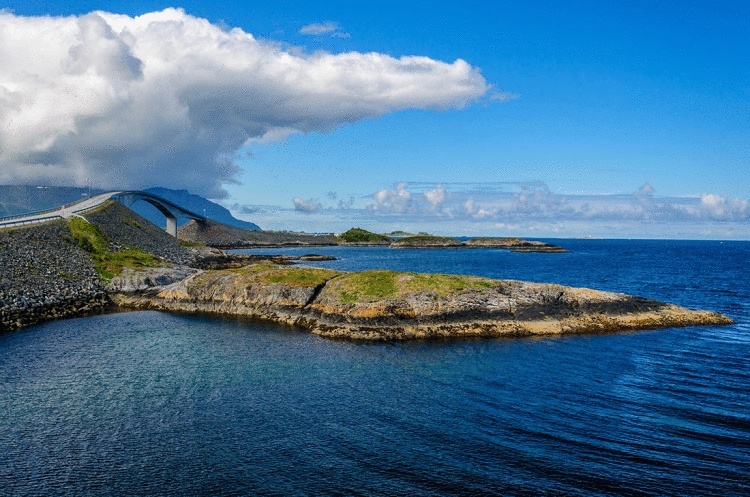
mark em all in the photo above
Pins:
pixel 227 237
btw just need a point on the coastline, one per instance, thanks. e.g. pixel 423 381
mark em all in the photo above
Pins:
pixel 343 305
pixel 50 271
pixel 225 237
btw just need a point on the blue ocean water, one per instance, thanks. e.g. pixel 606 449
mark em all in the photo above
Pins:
pixel 147 403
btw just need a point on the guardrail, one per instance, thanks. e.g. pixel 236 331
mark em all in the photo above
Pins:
pixel 11 224
pixel 71 209
pixel 37 213
pixel 39 217
pixel 29 214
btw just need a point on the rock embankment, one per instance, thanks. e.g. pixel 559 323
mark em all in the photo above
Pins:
pixel 386 305
pixel 125 228
pixel 219 235
pixel 44 275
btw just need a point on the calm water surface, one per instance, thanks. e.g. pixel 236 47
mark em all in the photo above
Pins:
pixel 146 403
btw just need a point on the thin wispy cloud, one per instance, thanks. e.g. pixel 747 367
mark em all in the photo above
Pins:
pixel 504 96
pixel 328 28
pixel 130 101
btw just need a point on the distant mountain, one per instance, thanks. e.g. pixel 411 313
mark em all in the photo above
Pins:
pixel 191 202
pixel 23 199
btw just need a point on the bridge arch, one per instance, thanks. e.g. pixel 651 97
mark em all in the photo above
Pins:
pixel 170 210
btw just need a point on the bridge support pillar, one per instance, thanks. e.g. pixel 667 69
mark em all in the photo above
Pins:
pixel 172 225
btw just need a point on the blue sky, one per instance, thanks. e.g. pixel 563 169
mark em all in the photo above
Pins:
pixel 589 108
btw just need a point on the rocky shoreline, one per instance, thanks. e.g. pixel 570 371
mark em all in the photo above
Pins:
pixel 227 237
pixel 45 276
pixel 48 272
pixel 386 305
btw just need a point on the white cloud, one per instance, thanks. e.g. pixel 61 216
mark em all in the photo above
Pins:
pixel 167 98
pixel 469 207
pixel 307 206
pixel 524 203
pixel 719 207
pixel 526 209
pixel 435 196
pixel 397 200
pixel 329 28
pixel 504 96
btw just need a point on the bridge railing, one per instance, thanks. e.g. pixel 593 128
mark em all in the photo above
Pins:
pixel 68 209
pixel 20 216
pixel 53 209
pixel 11 223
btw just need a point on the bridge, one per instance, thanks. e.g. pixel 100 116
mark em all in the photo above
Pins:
pixel 170 210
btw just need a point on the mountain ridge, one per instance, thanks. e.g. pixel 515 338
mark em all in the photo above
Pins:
pixel 26 199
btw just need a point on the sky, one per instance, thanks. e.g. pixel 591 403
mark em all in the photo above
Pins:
pixel 539 119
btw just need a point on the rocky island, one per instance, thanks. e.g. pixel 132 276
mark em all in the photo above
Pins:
pixel 221 236
pixel 113 256
pixel 389 305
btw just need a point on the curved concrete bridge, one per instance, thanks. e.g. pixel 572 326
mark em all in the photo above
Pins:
pixel 170 210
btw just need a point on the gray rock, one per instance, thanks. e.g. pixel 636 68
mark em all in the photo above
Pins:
pixel 131 281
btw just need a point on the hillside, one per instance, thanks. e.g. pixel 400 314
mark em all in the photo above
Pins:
pixel 191 202
pixel 24 199
pixel 222 236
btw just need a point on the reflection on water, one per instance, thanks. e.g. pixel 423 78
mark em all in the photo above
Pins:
pixel 148 403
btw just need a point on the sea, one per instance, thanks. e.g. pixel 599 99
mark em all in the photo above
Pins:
pixel 151 403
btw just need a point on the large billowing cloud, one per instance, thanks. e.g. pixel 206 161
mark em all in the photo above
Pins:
pixel 167 98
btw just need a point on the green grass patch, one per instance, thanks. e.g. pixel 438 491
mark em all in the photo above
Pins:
pixel 132 222
pixel 111 264
pixel 358 235
pixel 268 273
pixel 442 284
pixel 503 239
pixel 297 276
pixel 420 240
pixel 87 236
pixel 369 286
pixel 108 264
pixel 186 243
pixel 366 285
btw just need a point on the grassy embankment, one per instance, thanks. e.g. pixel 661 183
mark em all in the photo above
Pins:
pixel 107 263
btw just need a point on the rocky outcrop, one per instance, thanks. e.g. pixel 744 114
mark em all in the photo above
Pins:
pixel 222 236
pixel 427 241
pixel 44 276
pixel 125 228
pixel 131 280
pixel 224 260
pixel 515 245
pixel 385 305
